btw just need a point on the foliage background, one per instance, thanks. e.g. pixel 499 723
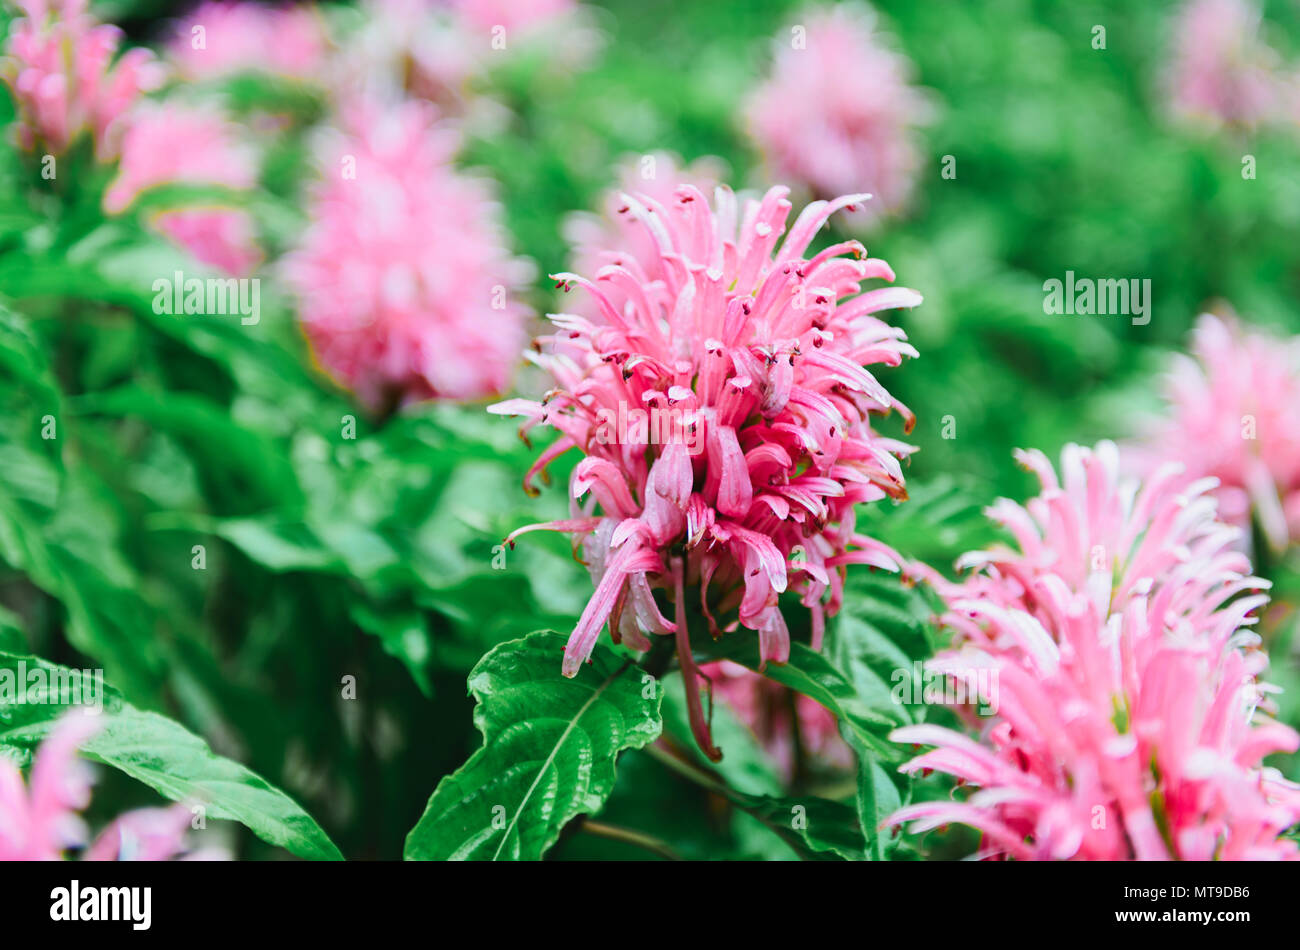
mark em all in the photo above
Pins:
pixel 373 558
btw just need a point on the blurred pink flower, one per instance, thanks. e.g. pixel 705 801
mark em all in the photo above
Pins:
pixel 1123 674
pixel 514 15
pixel 146 834
pixel 438 49
pixel 837 111
pixel 221 39
pixel 1233 416
pixel 407 290
pixel 406 47
pixel 171 143
pixel 1222 72
pixel 224 238
pixel 720 402
pixel 59 64
pixel 765 707
pixel 40 821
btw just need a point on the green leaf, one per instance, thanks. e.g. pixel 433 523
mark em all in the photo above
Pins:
pixel 869 718
pixel 278 547
pixel 404 635
pixel 886 624
pixel 941 519
pixel 745 766
pixel 549 746
pixel 163 755
pixel 11 631
pixel 23 360
pixel 877 798
pixel 815 827
pixel 882 630
pixel 247 464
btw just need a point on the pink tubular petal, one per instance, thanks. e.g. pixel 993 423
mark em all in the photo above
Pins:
pixel 773 637
pixel 605 480
pixel 583 639
pixel 735 493
pixel 577 526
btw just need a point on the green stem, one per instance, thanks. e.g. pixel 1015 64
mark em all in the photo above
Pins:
pixel 690 673
pixel 688 771
pixel 745 803
pixel 628 836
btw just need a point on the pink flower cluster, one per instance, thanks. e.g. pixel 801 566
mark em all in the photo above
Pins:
pixel 221 39
pixel 837 111
pixel 720 401
pixel 775 715
pixel 405 283
pixel 1223 72
pixel 1233 416
pixel 173 143
pixel 435 49
pixel 1124 674
pixel 39 820
pixel 59 63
